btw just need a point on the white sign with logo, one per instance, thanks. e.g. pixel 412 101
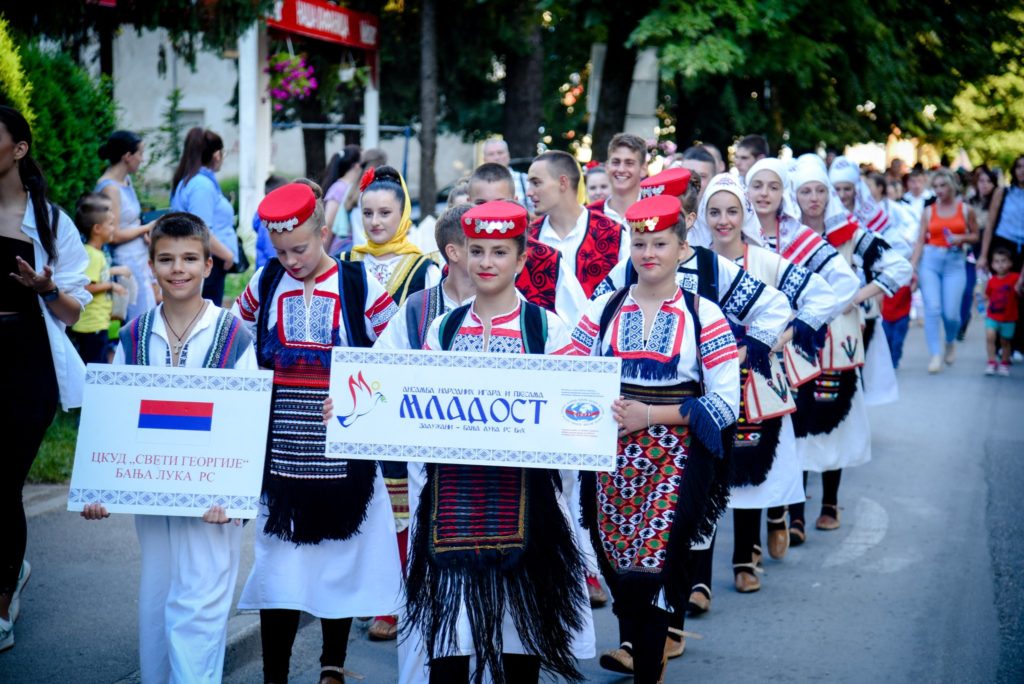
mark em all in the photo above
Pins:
pixel 171 441
pixel 474 409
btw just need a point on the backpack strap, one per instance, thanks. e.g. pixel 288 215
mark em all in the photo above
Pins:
pixel 450 325
pixel 707 273
pixel 533 321
pixel 610 311
pixel 270 278
pixel 352 278
pixel 693 305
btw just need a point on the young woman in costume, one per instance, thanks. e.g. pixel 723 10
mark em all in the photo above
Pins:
pixel 401 267
pixel 831 421
pixel 507 586
pixel 325 529
pixel 680 391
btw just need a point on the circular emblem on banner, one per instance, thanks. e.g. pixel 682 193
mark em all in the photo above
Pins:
pixel 582 412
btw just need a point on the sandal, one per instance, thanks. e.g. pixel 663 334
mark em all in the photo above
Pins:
pixel 383 629
pixel 330 674
pixel 797 536
pixel 700 600
pixel 619 659
pixel 675 643
pixel 745 576
pixel 778 537
pixel 827 520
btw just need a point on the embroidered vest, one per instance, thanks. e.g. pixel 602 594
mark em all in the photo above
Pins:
pixel 538 280
pixel 420 311
pixel 597 254
pixel 230 341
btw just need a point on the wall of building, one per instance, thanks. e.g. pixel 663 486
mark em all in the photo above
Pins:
pixel 141 93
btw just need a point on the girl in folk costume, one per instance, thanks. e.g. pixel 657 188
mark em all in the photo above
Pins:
pixel 831 421
pixel 764 470
pixel 680 391
pixel 402 268
pixel 770 192
pixel 878 374
pixel 321 543
pixel 507 585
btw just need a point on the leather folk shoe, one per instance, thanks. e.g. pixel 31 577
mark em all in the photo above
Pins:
pixel 746 578
pixel 675 643
pixel 598 596
pixel 829 518
pixel 778 541
pixel 700 600
pixel 618 659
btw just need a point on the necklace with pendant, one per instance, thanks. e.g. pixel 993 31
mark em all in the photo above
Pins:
pixel 177 346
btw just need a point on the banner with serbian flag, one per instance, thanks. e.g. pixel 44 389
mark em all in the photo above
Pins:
pixel 175 422
pixel 171 441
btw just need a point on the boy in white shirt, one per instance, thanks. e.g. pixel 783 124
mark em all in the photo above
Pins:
pixel 189 566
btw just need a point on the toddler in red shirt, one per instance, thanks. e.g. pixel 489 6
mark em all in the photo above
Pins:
pixel 1001 315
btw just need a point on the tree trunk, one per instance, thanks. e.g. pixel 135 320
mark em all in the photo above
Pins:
pixel 428 106
pixel 616 79
pixel 523 108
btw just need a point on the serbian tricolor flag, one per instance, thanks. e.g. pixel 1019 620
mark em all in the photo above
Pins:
pixel 175 422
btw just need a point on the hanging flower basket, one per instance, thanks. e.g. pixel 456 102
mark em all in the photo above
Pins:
pixel 291 79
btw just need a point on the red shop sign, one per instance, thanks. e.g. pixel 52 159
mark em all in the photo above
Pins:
pixel 324 21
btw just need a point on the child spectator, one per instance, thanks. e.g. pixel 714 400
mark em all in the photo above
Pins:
pixel 96 222
pixel 896 321
pixel 189 567
pixel 1001 316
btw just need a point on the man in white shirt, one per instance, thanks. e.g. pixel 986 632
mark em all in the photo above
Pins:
pixel 918 193
pixel 496 152
pixel 626 166
pixel 590 242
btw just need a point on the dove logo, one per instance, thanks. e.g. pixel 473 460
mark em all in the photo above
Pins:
pixel 364 398
pixel 582 412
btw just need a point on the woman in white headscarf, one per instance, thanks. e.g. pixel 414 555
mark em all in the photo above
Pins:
pixel 764 469
pixel 831 421
pixel 770 192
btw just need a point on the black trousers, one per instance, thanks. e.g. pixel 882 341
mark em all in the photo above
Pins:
pixel 28 402
pixel 277 633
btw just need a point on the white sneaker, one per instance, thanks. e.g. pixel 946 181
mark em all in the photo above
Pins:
pixel 990 369
pixel 950 353
pixel 6 634
pixel 935 365
pixel 26 571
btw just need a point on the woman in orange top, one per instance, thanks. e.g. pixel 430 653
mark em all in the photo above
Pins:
pixel 946 226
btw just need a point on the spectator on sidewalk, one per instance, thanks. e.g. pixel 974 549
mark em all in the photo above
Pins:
pixel 1002 312
pixel 95 221
pixel 41 292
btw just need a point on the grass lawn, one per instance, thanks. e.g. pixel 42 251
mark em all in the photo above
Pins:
pixel 57 453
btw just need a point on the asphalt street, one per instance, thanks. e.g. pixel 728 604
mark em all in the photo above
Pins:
pixel 921 583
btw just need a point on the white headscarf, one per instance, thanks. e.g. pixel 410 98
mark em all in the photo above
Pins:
pixel 750 227
pixel 869 213
pixel 810 168
pixel 788 206
pixel 789 212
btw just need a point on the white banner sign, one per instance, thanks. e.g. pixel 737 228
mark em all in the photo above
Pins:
pixel 474 409
pixel 171 441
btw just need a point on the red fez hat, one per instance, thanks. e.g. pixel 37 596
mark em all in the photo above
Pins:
pixel 288 206
pixel 497 220
pixel 668 182
pixel 652 214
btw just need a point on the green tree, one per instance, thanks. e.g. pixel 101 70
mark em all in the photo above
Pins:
pixel 74 115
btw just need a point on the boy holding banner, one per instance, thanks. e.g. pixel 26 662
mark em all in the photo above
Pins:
pixel 189 567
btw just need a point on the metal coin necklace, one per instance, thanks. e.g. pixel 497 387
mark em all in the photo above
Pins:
pixel 177 346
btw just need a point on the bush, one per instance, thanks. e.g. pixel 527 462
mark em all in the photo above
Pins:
pixel 74 115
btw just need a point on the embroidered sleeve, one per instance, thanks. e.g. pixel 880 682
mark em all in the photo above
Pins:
pixel 761 308
pixel 722 372
pixel 380 308
pixel 740 297
pixel 584 335
pixel 809 295
pixel 882 264
pixel 395 336
pixel 717 344
pixel 844 283
pixel 246 308
pixel 792 284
